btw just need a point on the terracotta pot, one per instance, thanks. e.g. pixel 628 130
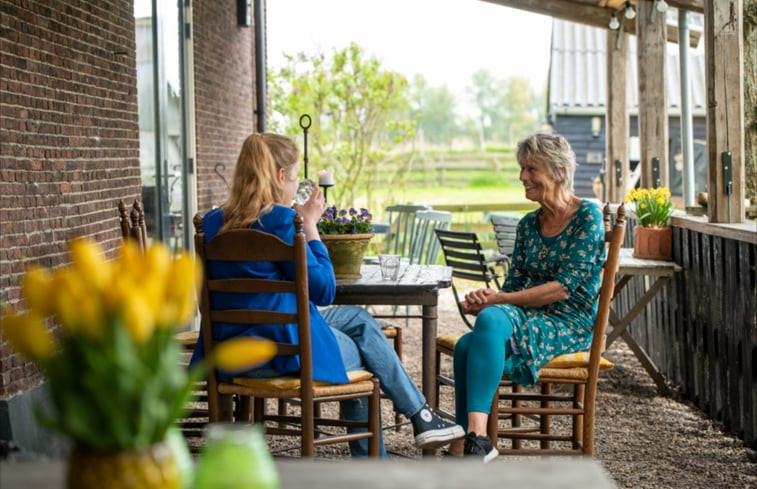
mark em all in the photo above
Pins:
pixel 346 252
pixel 653 243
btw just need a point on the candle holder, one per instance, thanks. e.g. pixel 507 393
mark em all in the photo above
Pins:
pixel 325 187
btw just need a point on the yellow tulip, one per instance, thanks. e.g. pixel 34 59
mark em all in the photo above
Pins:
pixel 28 335
pixel 89 260
pixel 69 290
pixel 243 353
pixel 138 318
pixel 36 287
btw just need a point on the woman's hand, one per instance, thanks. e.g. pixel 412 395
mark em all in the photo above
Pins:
pixel 311 212
pixel 478 299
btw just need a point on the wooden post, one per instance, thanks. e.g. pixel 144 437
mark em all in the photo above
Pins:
pixel 617 117
pixel 724 56
pixel 653 100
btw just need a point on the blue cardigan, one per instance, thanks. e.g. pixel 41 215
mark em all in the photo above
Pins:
pixel 327 359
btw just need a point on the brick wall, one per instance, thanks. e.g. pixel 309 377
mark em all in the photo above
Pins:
pixel 69 138
pixel 224 75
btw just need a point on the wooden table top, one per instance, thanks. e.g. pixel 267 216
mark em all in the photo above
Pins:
pixel 547 473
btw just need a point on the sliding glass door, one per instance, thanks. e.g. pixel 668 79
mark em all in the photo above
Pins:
pixel 165 166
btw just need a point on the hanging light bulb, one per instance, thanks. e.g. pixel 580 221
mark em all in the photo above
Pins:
pixel 629 12
pixel 614 24
pixel 661 6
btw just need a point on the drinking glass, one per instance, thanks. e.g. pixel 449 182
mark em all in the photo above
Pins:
pixel 235 456
pixel 390 266
pixel 304 189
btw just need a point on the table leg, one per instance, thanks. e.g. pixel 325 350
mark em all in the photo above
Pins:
pixel 619 325
pixel 429 331
pixel 647 363
pixel 428 386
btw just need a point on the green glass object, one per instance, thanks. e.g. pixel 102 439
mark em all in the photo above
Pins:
pixel 235 456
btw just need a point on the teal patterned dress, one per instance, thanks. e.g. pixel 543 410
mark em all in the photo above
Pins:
pixel 574 258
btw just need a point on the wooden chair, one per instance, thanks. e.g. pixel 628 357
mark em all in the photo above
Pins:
pixel 250 245
pixel 464 253
pixel 578 372
pixel 133 223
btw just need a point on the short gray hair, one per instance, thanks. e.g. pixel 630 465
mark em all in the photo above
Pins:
pixel 554 151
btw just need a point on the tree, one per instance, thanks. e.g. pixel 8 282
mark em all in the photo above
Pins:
pixel 486 92
pixel 358 111
pixel 434 109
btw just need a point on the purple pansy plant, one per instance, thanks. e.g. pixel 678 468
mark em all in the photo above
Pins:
pixel 345 221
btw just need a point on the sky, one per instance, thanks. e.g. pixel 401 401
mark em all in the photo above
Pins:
pixel 447 41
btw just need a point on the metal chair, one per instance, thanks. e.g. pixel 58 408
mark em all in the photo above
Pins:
pixel 248 245
pixel 399 236
pixel 425 246
pixel 505 228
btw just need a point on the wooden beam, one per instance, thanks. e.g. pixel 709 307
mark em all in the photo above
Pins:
pixel 724 56
pixel 690 5
pixel 653 104
pixel 616 127
pixel 583 13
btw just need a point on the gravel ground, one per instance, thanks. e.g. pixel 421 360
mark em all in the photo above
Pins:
pixel 642 440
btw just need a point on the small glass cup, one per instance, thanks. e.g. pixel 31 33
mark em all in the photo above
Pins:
pixel 304 189
pixel 390 266
pixel 235 455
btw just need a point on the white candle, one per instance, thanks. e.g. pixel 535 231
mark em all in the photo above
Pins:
pixel 325 177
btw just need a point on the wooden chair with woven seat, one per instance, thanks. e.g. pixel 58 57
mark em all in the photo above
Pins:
pixel 132 223
pixel 578 371
pixel 248 245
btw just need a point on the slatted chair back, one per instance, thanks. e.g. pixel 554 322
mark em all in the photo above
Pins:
pixel 580 370
pixel 248 245
pixel 505 228
pixel 401 227
pixel 464 253
pixel 425 247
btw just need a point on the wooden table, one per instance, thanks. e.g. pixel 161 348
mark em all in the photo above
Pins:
pixel 417 285
pixel 656 274
pixel 548 473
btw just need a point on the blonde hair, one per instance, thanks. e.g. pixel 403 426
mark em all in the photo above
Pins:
pixel 255 187
pixel 555 152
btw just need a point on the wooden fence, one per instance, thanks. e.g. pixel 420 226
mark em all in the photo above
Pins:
pixel 701 329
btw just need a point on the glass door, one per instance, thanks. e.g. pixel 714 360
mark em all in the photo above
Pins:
pixel 164 165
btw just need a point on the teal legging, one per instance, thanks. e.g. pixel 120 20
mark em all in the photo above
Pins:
pixel 477 375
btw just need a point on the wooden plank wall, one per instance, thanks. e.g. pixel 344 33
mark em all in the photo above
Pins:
pixel 701 329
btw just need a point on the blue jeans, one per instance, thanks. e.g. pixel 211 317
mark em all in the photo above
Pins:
pixel 364 346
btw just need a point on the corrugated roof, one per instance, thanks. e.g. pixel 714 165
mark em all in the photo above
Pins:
pixel 577 74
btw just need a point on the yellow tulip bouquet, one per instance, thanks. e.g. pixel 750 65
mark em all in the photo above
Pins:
pixel 113 368
pixel 653 207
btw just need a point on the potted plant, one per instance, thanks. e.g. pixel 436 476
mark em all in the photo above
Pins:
pixel 113 368
pixel 653 238
pixel 346 234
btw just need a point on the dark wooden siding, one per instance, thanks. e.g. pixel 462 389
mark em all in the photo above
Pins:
pixel 701 329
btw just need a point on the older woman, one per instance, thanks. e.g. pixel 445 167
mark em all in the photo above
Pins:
pixel 547 304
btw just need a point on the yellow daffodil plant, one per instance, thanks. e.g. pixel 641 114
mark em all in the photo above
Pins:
pixel 653 207
pixel 113 368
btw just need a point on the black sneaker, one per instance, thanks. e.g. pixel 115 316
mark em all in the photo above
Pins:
pixel 479 446
pixel 431 431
